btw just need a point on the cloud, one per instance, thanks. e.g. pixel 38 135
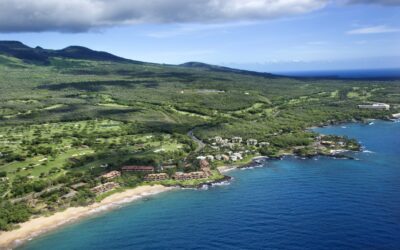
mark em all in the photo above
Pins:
pixel 373 30
pixel 183 29
pixel 84 15
pixel 378 2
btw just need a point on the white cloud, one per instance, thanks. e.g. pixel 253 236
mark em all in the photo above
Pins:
pixel 183 29
pixel 83 15
pixel 373 30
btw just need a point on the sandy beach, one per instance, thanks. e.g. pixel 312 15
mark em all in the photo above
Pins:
pixel 40 225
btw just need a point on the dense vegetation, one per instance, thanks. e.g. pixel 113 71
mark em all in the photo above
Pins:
pixel 68 116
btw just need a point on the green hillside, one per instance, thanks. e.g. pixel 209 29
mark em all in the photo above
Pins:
pixel 68 116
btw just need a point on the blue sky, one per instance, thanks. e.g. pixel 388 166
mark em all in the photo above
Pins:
pixel 320 35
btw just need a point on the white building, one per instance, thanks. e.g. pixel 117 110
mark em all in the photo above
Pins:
pixel 237 139
pixel 375 106
pixel 238 156
pixel 233 158
pixel 210 157
pixel 263 144
pixel 251 142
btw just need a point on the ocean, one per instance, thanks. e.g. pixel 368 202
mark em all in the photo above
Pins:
pixel 320 203
pixel 384 74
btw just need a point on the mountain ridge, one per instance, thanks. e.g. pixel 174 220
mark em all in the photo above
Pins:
pixel 39 55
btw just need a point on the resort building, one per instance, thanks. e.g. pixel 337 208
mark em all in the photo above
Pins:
pixel 138 169
pixel 218 139
pixel 237 139
pixel 251 142
pixel 201 157
pixel 375 106
pixel 111 175
pixel 189 176
pixel 238 156
pixel 104 187
pixel 263 144
pixel 156 177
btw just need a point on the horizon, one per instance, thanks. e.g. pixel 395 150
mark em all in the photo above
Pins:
pixel 306 35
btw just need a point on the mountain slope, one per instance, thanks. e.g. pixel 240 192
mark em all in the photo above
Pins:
pixel 39 55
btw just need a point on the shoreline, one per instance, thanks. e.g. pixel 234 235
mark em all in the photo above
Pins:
pixel 40 225
pixel 34 227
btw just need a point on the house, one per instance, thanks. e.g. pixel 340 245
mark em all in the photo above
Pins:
pixel 218 157
pixel 111 175
pixel 237 139
pixel 218 139
pixel 375 106
pixel 251 142
pixel 201 157
pixel 104 187
pixel 138 169
pixel 237 155
pixel 233 158
pixel 263 144
pixel 210 157
pixel 156 177
pixel 225 157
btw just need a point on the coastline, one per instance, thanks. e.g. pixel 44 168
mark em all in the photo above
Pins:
pixel 40 225
pixel 34 227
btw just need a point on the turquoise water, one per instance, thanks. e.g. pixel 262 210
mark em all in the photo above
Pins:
pixel 320 203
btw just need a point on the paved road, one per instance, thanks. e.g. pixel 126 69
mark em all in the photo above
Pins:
pixel 200 144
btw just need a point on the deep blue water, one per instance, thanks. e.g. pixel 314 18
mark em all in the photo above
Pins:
pixel 290 204
pixel 359 73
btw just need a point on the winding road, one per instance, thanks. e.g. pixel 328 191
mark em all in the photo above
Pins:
pixel 200 144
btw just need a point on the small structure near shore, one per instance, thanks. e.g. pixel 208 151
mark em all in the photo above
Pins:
pixel 148 169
